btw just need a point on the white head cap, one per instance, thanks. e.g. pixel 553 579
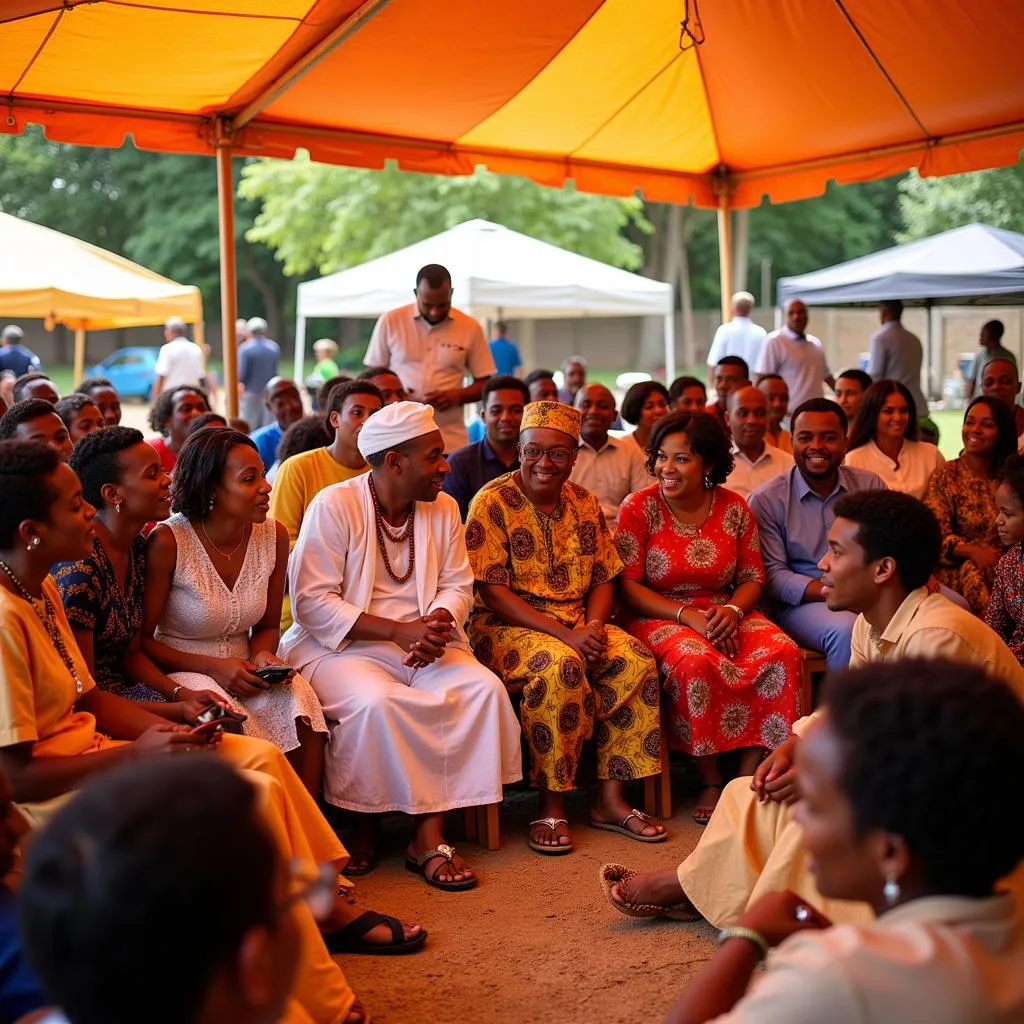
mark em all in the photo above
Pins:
pixel 174 323
pixel 256 323
pixel 394 425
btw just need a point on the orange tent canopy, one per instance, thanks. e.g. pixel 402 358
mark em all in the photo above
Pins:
pixel 779 98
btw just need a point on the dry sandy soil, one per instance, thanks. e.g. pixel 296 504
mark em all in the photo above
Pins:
pixel 536 941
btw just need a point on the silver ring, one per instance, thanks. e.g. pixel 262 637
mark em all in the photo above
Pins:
pixel 802 913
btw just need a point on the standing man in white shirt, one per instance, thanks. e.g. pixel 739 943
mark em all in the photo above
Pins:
pixel 797 357
pixel 432 347
pixel 739 337
pixel 609 467
pixel 896 354
pixel 754 460
pixel 180 360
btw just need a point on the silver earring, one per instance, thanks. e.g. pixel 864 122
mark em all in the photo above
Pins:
pixel 32 544
pixel 891 890
pixel 707 481
pixel 117 507
pixel 209 508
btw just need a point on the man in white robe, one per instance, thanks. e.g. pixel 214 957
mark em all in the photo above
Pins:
pixel 380 586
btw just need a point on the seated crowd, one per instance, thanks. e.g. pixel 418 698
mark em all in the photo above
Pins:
pixel 550 596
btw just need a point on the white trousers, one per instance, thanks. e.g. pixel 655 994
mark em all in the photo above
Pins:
pixel 419 741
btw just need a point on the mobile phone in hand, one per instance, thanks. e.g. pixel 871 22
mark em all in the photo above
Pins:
pixel 274 673
pixel 206 730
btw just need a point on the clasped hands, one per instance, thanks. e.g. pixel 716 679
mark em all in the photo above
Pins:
pixel 589 641
pixel 424 638
pixel 717 625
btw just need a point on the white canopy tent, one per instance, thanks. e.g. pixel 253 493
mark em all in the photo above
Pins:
pixel 496 273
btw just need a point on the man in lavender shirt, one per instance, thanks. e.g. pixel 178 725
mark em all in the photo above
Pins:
pixel 794 512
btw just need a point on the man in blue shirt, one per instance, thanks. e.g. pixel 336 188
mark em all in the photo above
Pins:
pixel 794 512
pixel 14 356
pixel 257 365
pixel 281 400
pixel 470 467
pixel 504 352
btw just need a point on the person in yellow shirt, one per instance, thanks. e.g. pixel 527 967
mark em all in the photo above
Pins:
pixel 57 728
pixel 302 477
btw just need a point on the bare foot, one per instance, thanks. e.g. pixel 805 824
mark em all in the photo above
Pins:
pixel 346 911
pixel 543 834
pixel 658 888
pixel 613 814
pixel 707 801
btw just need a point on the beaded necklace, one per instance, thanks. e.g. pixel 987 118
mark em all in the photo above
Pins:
pixel 405 532
pixel 49 623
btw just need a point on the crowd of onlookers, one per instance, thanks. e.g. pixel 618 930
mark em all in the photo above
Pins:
pixel 368 609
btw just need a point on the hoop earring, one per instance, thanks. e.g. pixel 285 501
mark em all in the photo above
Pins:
pixel 891 890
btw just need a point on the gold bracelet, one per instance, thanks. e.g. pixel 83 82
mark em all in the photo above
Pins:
pixel 736 932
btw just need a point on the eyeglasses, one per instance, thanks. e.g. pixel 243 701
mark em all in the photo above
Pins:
pixel 315 884
pixel 559 456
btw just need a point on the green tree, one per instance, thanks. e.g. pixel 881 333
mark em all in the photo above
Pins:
pixel 931 205
pixel 324 218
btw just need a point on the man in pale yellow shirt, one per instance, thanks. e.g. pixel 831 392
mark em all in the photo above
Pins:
pixel 882 548
pixel 302 477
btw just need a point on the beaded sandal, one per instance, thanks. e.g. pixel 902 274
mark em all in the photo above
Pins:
pixel 615 874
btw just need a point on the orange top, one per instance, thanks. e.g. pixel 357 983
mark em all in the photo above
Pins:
pixel 784 96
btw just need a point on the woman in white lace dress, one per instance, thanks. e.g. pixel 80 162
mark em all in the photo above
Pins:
pixel 215 577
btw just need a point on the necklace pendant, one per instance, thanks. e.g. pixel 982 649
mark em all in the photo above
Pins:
pixel 78 686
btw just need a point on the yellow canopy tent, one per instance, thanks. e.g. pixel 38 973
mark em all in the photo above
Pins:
pixel 745 98
pixel 64 280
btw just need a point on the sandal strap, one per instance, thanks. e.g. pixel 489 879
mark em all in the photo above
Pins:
pixel 636 814
pixel 445 854
pixel 368 920
pixel 551 823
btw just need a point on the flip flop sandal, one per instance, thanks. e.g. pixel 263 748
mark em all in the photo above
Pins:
pixel 418 866
pixel 352 938
pixel 553 850
pixel 703 819
pixel 357 872
pixel 615 874
pixel 622 829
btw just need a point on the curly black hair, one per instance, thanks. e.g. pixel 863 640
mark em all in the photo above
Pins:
pixel 25 469
pixel 200 468
pixel 871 405
pixel 208 419
pixel 96 459
pixel 23 412
pixel 70 404
pixel 924 740
pixel 819 405
pixel 25 380
pixel 91 383
pixel 304 435
pixel 680 384
pixel 163 407
pixel 633 404
pixel 898 526
pixel 1006 441
pixel 338 396
pixel 706 438
pixel 1012 475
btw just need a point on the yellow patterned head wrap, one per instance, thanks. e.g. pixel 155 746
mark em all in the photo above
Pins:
pixel 552 416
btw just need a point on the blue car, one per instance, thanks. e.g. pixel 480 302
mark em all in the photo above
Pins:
pixel 130 370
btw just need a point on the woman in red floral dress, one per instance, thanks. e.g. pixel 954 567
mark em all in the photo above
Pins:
pixel 693 574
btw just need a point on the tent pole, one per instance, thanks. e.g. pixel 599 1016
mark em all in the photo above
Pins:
pixel 300 348
pixel 725 255
pixel 228 298
pixel 670 347
pixel 79 355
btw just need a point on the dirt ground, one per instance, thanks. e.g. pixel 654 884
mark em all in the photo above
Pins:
pixel 536 941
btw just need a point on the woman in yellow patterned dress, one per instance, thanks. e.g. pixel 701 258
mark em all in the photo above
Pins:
pixel 544 561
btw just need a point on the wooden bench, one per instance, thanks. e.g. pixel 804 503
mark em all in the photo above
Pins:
pixel 812 664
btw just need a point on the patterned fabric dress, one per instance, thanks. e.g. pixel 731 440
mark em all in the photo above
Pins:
pixel 552 562
pixel 1005 612
pixel 965 505
pixel 94 600
pixel 716 703
pixel 203 617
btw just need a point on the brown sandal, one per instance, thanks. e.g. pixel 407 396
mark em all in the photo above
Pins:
pixel 615 874
pixel 623 828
